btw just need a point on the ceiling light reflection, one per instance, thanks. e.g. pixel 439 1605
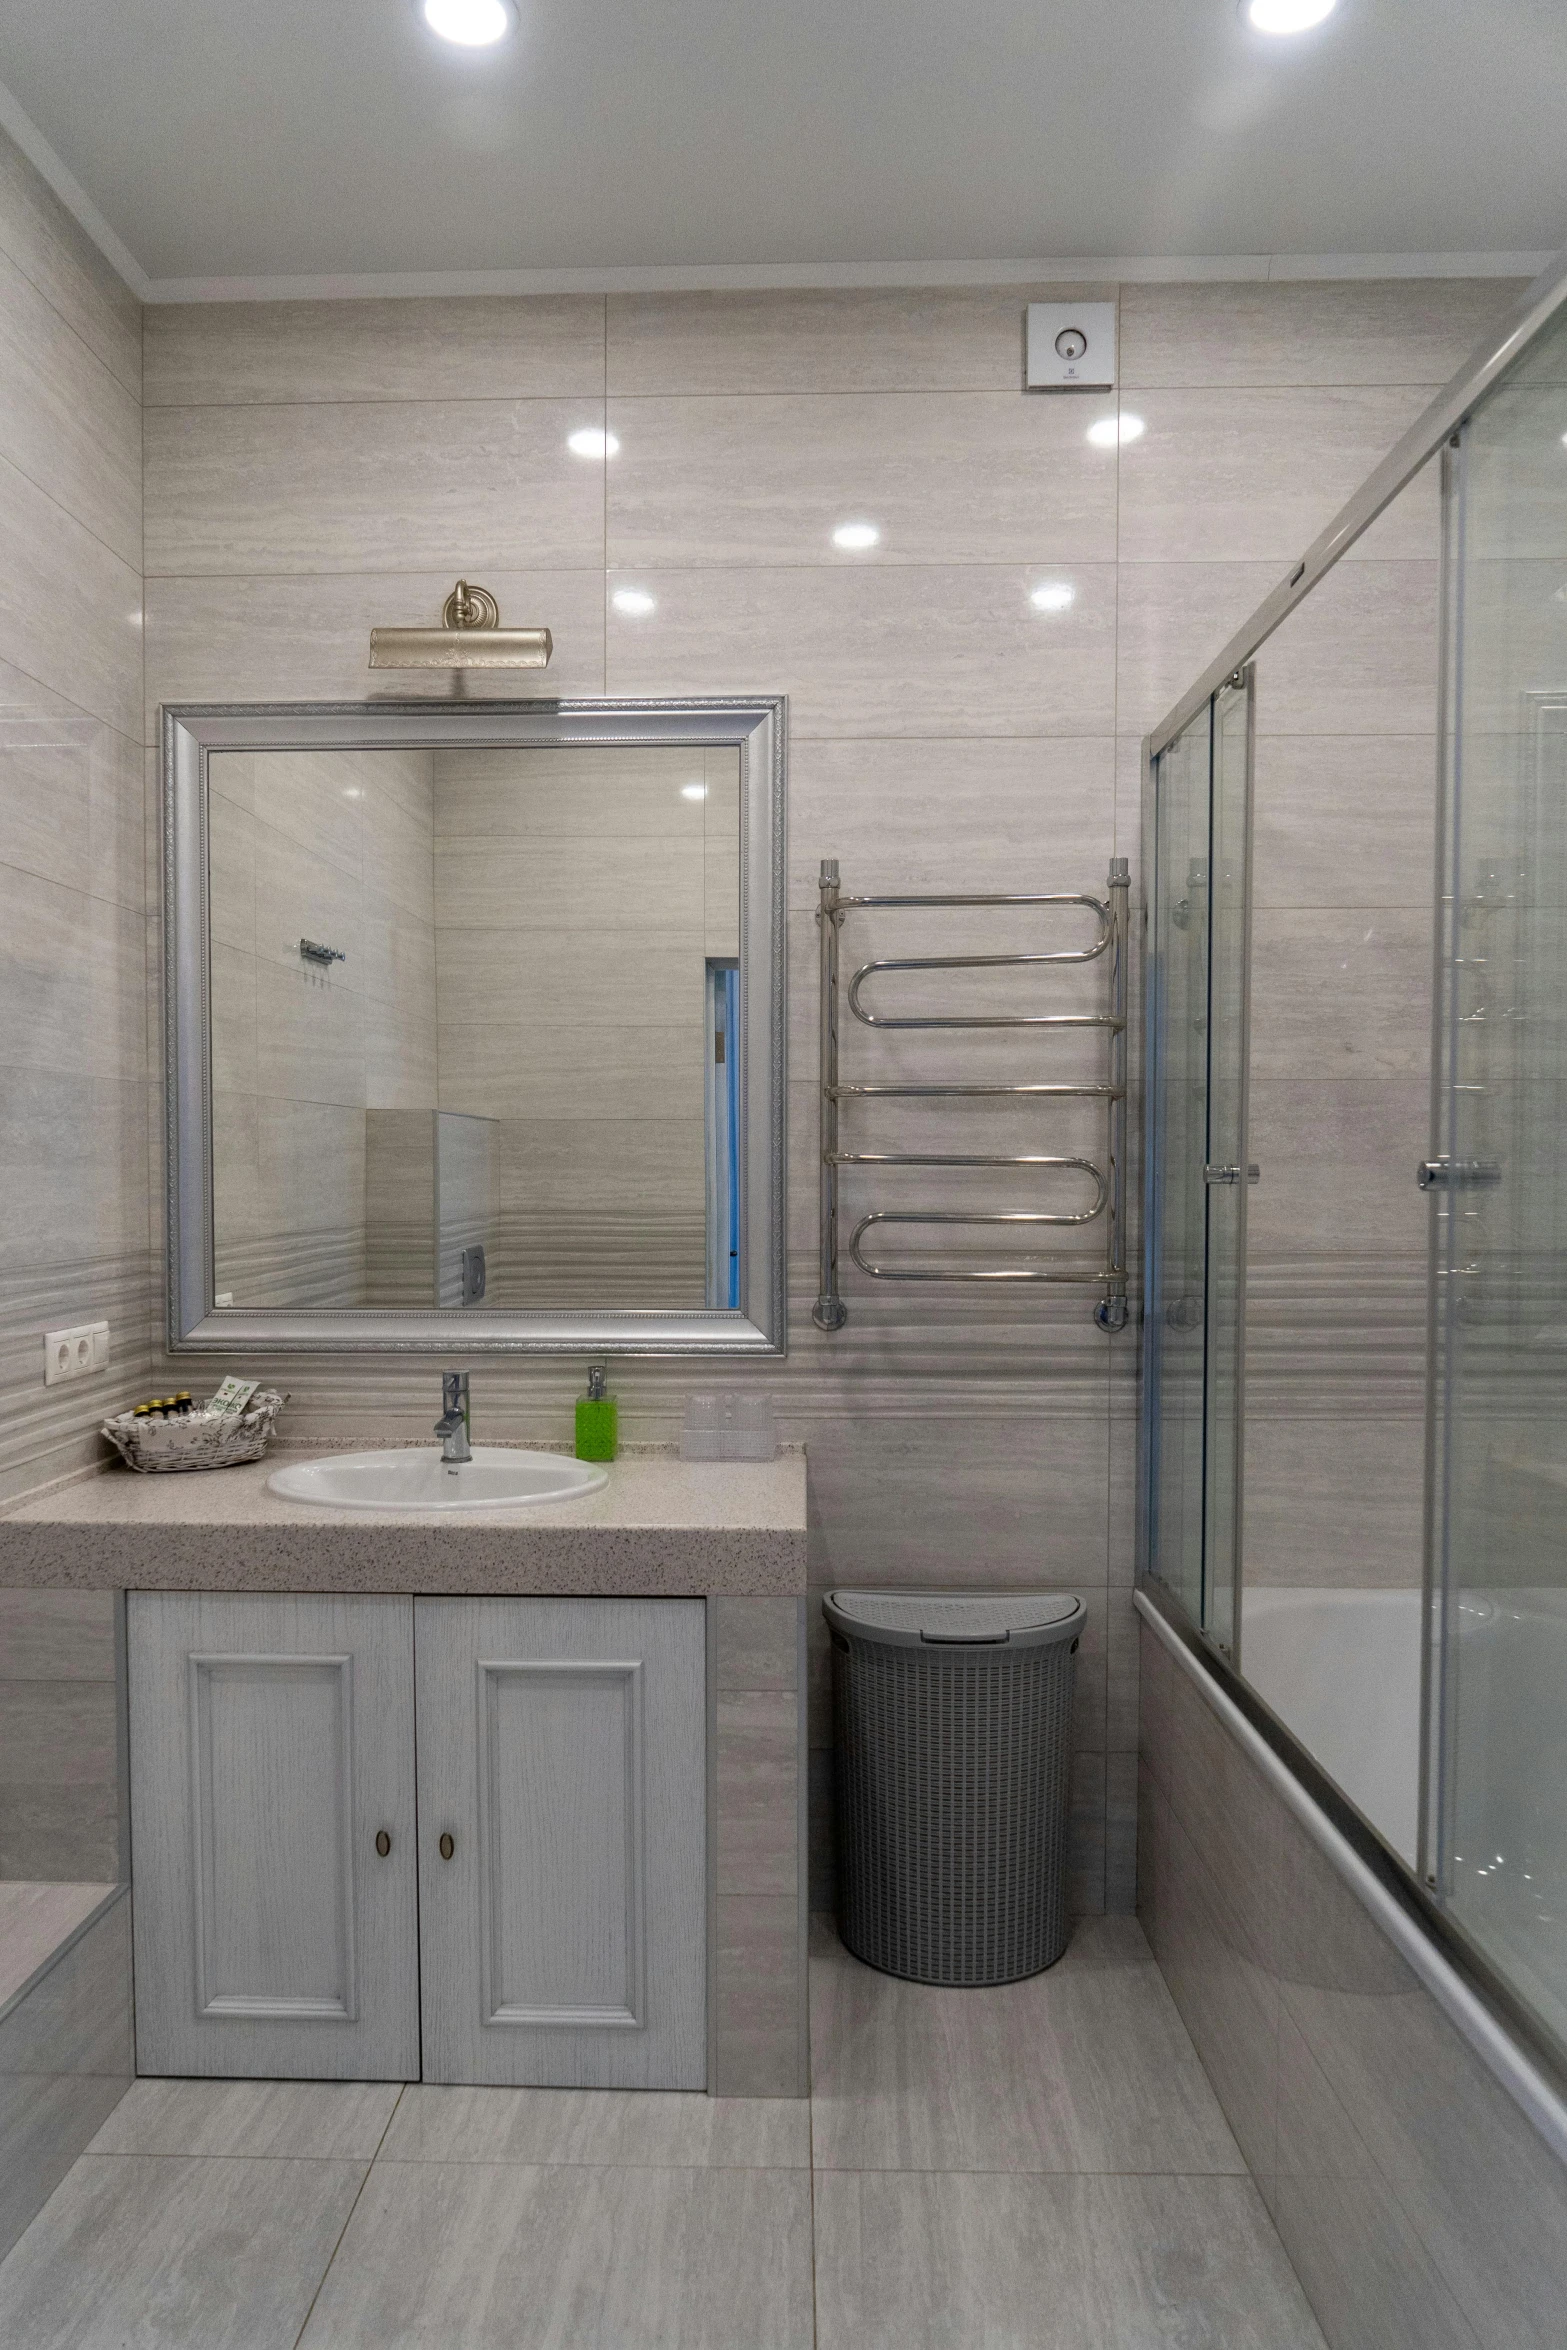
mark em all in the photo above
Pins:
pixel 1112 432
pixel 636 603
pixel 855 537
pixel 1053 595
pixel 592 441
pixel 693 791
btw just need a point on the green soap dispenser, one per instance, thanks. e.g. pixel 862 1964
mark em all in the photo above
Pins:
pixel 598 1416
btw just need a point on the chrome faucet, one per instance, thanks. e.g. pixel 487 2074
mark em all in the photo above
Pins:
pixel 452 1426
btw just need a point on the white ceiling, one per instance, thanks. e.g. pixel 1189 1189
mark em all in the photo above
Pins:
pixel 258 139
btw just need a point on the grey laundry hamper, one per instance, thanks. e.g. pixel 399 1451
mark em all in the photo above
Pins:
pixel 953 1716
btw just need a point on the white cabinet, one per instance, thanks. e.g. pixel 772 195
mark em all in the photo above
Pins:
pixel 562 1860
pixel 557 1911
pixel 270 1749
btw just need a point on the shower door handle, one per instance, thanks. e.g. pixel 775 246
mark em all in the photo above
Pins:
pixel 1457 1175
pixel 1231 1174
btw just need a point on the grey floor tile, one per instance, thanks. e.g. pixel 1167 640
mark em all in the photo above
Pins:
pixel 509 2257
pixel 1086 2067
pixel 642 2127
pixel 334 2120
pixel 931 2262
pixel 150 2252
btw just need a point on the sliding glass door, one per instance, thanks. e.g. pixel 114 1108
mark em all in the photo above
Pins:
pixel 1199 899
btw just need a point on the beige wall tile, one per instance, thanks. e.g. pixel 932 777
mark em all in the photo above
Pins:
pixel 308 639
pixel 651 883
pixel 57 1635
pixel 1340 994
pixel 620 794
pixel 467 347
pixel 936 816
pixel 50 563
pixel 1232 476
pixel 233 1045
pixel 61 260
pixel 73 979
pixel 920 650
pixel 304 489
pixel 622 979
pixel 917 338
pixel 396 953
pixel 1359 331
pixel 572 1072
pixel 1358 657
pixel 1344 820
pixel 73 1162
pixel 300 893
pixel 946 477
pixel 66 420
pixel 70 795
pixel 1172 620
pixel 310 1040
pixel 1338 1154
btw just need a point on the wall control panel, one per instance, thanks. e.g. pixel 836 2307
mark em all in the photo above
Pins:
pixel 1069 347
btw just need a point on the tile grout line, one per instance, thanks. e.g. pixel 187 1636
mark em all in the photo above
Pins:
pixel 348 2216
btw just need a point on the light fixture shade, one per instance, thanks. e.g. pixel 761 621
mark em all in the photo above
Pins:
pixel 1286 16
pixel 471 24
pixel 470 637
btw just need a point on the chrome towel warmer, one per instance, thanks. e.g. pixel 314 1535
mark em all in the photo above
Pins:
pixel 830 1312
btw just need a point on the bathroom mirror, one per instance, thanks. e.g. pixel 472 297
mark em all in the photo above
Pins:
pixel 475 1026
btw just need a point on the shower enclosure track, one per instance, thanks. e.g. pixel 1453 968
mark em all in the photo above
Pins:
pixel 1109 1181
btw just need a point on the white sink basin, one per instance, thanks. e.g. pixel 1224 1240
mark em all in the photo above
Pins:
pixel 418 1479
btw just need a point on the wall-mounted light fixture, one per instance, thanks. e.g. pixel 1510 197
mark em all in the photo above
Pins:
pixel 470 637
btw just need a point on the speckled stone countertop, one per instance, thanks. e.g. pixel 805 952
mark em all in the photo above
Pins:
pixel 661 1526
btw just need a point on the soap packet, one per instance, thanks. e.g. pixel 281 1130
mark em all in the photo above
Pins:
pixel 231 1398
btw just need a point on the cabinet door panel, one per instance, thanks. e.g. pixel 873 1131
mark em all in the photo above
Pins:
pixel 562 1750
pixel 271 1741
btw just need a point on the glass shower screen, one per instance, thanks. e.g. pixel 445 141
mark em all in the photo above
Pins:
pixel 1198 1169
pixel 1496 1814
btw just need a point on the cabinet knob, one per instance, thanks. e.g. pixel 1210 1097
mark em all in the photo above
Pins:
pixel 383 1842
pixel 448 1845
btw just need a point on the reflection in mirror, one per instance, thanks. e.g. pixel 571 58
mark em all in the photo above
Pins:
pixel 473 1027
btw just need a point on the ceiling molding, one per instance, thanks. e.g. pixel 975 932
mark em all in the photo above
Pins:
pixel 72 194
pixel 740 277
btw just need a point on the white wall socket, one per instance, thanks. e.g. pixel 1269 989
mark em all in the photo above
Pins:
pixel 1069 347
pixel 74 1354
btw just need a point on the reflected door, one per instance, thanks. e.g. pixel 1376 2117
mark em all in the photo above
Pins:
pixel 1197 1167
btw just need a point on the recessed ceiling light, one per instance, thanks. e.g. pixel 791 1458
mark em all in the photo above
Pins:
pixel 693 791
pixel 1286 16
pixel 855 537
pixel 1052 595
pixel 472 24
pixel 636 603
pixel 592 441
pixel 1112 432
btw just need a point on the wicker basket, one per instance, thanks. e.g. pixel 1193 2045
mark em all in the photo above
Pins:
pixel 196 1440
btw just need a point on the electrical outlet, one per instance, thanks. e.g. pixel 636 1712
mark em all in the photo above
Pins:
pixel 75 1354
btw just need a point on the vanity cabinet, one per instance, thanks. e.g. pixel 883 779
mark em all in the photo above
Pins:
pixel 525 1902
pixel 271 1746
pixel 562 1841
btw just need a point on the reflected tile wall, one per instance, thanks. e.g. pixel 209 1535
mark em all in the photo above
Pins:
pixel 946 731
pixel 1417 2202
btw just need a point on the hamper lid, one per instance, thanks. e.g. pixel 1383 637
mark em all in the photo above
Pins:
pixel 957 1619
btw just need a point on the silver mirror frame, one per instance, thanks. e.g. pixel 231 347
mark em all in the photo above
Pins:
pixel 756 726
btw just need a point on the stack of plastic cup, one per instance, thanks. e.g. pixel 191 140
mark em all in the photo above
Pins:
pixel 702 1431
